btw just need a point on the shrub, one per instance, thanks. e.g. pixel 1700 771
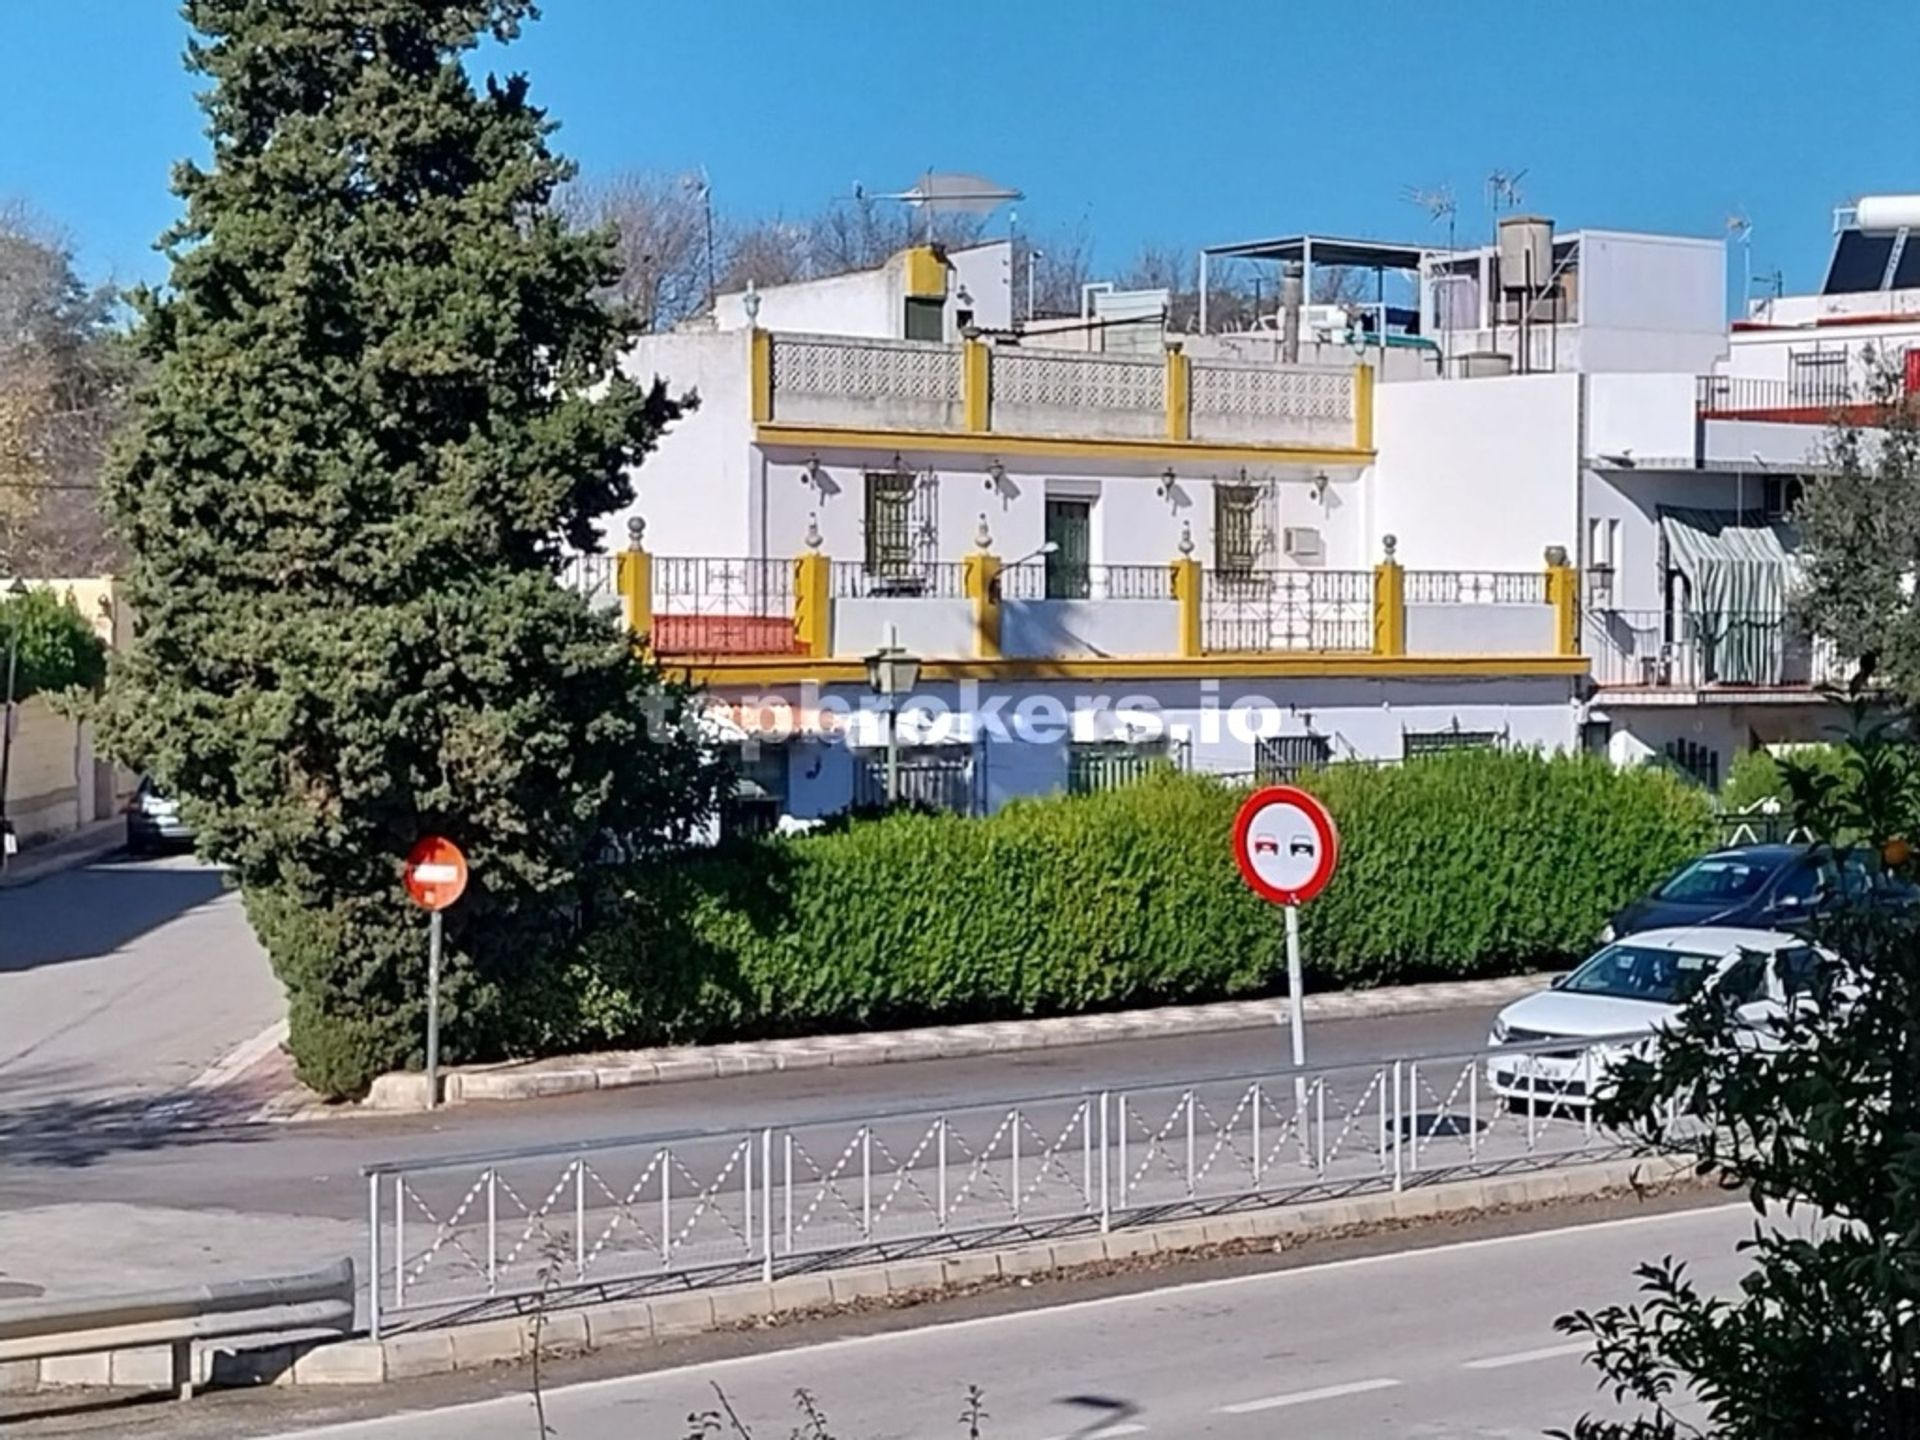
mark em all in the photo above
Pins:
pixel 57 648
pixel 1755 775
pixel 1458 865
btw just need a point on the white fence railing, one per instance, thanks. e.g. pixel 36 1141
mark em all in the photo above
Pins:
pixel 475 1234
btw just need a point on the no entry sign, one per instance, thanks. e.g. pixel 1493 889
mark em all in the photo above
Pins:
pixel 436 873
pixel 1286 844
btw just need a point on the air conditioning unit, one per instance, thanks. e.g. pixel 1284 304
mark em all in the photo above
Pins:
pixel 1302 543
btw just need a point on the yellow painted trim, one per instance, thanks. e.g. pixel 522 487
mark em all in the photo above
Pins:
pixel 976 385
pixel 633 575
pixel 821 437
pixel 812 606
pixel 1179 396
pixel 1295 664
pixel 1389 609
pixel 1563 593
pixel 762 376
pixel 1363 407
pixel 925 274
pixel 980 572
pixel 1188 583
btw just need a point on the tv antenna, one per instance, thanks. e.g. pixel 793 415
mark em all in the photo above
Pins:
pixel 1438 202
pixel 1740 230
pixel 1503 192
pixel 947 192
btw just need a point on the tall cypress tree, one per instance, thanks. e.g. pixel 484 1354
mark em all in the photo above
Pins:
pixel 382 401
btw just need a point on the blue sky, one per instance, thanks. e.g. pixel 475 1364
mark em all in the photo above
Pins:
pixel 1153 122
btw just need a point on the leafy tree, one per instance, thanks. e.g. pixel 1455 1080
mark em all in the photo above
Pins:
pixel 382 401
pixel 1860 536
pixel 62 376
pixel 1818 1121
pixel 58 649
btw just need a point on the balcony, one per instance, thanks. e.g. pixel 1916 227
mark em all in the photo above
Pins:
pixel 1811 400
pixel 908 389
pixel 1728 655
pixel 702 610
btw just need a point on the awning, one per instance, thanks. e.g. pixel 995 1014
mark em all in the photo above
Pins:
pixel 1738 574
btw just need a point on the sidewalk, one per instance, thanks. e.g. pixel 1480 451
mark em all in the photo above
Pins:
pixel 68 852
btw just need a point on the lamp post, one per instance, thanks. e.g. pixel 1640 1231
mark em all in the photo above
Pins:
pixel 892 672
pixel 15 593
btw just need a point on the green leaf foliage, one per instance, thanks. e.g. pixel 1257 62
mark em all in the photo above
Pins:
pixel 52 646
pixel 380 400
pixel 1465 864
pixel 1815 1117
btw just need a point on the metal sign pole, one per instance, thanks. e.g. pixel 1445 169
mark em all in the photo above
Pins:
pixel 1295 996
pixel 433 1010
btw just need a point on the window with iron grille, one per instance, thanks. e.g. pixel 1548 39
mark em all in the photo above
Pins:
pixel 1280 758
pixel 1415 743
pixel 1236 511
pixel 902 526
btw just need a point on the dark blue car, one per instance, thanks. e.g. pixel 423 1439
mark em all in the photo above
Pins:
pixel 1759 887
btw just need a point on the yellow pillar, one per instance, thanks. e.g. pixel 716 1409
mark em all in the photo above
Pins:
pixel 1563 594
pixel 1179 394
pixel 1389 605
pixel 633 575
pixel 976 385
pixel 980 572
pixel 812 601
pixel 1188 588
pixel 1363 407
pixel 762 367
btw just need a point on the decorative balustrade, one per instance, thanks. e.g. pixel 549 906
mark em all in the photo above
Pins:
pixel 1013 390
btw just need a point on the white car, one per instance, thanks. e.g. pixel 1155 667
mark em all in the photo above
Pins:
pixel 1628 991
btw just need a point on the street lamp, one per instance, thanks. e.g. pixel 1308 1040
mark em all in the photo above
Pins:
pixel 892 672
pixel 15 593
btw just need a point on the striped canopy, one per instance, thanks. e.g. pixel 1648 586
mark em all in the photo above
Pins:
pixel 1738 573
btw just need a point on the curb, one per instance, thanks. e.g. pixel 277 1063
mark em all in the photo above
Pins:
pixel 493 1342
pixel 577 1074
pixel 72 852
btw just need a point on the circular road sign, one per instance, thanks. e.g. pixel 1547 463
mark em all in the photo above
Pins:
pixel 436 872
pixel 1286 844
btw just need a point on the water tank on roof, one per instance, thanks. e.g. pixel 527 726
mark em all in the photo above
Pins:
pixel 1888 212
pixel 1526 251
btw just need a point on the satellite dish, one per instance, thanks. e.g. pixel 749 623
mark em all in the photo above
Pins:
pixel 948 192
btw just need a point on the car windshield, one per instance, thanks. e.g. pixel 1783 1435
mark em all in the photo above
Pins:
pixel 1717 879
pixel 1642 972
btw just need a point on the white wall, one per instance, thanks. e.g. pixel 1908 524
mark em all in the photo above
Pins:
pixel 1133 523
pixel 867 302
pixel 1480 629
pixel 986 272
pixel 1643 416
pixel 1651 302
pixel 1477 474
pixel 925 626
pixel 1762 354
pixel 696 491
pixel 1081 628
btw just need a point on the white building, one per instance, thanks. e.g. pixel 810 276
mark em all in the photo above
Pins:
pixel 1201 529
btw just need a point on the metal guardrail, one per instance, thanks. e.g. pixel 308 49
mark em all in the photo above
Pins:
pixel 1057 580
pixel 43 1329
pixel 1273 610
pixel 460 1237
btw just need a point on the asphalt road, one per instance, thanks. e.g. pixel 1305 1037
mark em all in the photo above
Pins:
pixel 124 978
pixel 119 983
pixel 1452 1341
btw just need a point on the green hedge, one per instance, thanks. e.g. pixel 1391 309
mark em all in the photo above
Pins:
pixel 1457 865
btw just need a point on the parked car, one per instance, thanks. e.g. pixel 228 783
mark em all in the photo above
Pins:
pixel 153 820
pixel 1772 887
pixel 1627 991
